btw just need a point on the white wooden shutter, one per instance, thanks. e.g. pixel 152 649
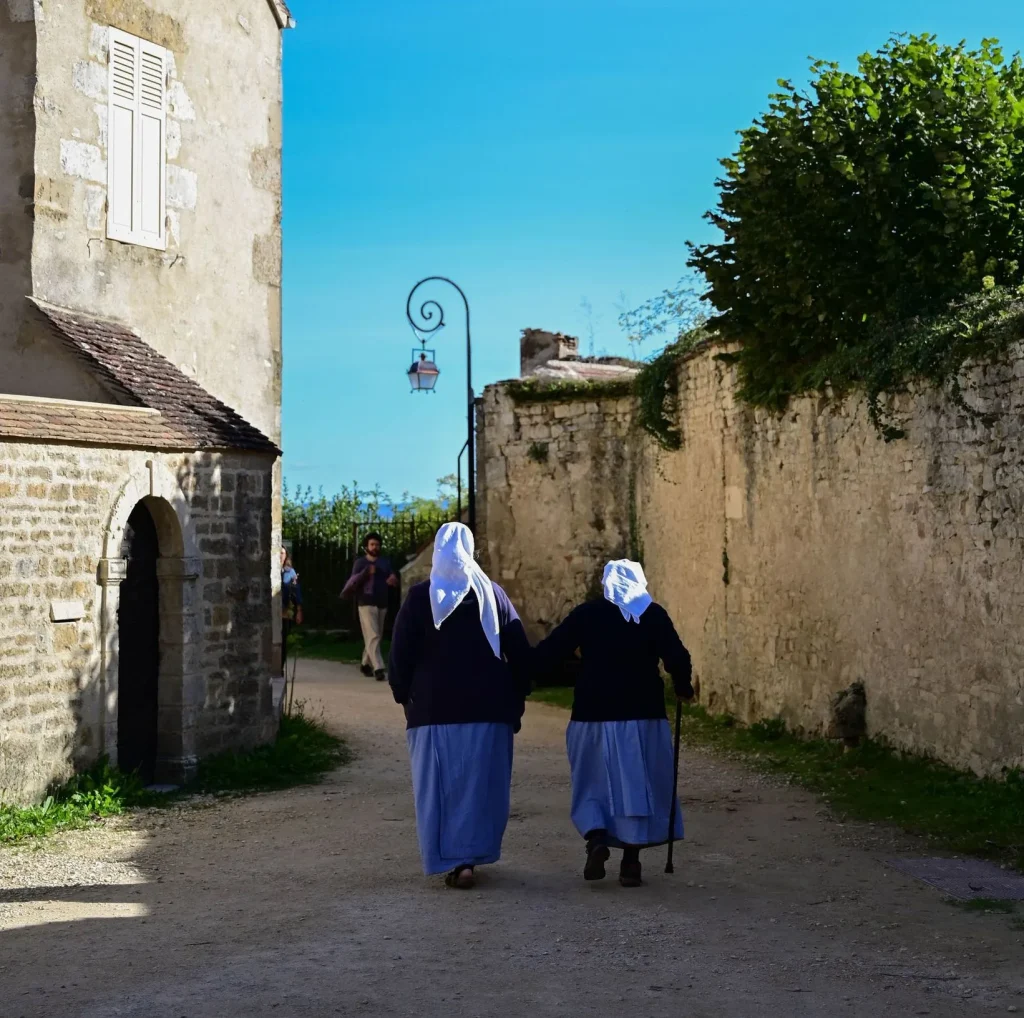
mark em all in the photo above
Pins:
pixel 124 104
pixel 152 119
pixel 136 145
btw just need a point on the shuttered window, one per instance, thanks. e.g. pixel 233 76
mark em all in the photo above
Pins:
pixel 136 141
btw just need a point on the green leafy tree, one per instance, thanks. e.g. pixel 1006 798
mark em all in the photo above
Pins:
pixel 872 198
pixel 330 518
pixel 308 514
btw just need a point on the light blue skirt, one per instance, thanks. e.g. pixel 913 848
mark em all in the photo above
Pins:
pixel 622 780
pixel 461 776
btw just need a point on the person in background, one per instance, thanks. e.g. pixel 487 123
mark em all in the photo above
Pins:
pixel 618 740
pixel 370 583
pixel 291 603
pixel 457 659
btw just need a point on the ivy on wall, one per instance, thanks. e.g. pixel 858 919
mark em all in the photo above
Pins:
pixel 657 389
pixel 533 390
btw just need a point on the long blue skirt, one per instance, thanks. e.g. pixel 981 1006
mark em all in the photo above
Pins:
pixel 461 776
pixel 622 780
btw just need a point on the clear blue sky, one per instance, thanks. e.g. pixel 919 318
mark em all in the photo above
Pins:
pixel 539 152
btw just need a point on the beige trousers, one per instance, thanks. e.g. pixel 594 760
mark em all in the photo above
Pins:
pixel 371 621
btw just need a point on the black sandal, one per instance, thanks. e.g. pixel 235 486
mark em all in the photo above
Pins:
pixel 461 877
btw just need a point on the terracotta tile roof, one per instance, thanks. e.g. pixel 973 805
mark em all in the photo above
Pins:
pixel 127 365
pixel 281 12
pixel 88 424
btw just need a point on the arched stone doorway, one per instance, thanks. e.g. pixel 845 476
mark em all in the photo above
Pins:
pixel 152 678
pixel 138 638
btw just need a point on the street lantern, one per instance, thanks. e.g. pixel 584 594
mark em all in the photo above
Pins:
pixel 423 373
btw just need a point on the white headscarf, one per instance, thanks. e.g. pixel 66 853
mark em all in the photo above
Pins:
pixel 626 587
pixel 453 574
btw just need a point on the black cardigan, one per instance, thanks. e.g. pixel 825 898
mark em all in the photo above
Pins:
pixel 451 676
pixel 620 679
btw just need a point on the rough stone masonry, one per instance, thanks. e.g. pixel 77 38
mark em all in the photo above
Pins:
pixel 58 705
pixel 799 554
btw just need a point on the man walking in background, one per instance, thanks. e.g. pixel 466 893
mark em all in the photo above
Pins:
pixel 370 583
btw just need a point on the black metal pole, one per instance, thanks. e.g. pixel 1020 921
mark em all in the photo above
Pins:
pixel 426 314
pixel 458 477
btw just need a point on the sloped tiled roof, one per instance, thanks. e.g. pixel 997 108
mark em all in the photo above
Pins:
pixel 127 365
pixel 60 420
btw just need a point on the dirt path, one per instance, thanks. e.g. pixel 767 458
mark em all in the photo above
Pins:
pixel 311 902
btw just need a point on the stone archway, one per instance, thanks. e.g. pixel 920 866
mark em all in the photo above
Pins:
pixel 181 687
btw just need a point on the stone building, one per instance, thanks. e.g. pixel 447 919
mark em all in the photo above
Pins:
pixel 140 383
pixel 798 553
pixel 555 357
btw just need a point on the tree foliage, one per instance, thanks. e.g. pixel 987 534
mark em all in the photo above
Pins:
pixel 872 199
pixel 308 513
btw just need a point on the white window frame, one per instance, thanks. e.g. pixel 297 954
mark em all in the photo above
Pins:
pixel 143 113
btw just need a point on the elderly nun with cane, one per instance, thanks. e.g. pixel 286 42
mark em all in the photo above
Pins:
pixel 457 658
pixel 624 771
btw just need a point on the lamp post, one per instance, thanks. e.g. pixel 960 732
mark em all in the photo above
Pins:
pixel 458 479
pixel 424 371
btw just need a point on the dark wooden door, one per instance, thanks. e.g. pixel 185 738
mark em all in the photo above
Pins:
pixel 138 666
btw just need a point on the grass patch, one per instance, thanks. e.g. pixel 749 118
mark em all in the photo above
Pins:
pixel 100 792
pixel 329 647
pixel 1003 906
pixel 303 752
pixel 975 816
pixel 559 696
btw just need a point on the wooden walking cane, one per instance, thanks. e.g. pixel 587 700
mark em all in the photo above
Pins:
pixel 675 787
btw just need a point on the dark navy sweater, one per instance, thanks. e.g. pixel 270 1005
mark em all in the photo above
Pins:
pixel 450 676
pixel 369 590
pixel 619 679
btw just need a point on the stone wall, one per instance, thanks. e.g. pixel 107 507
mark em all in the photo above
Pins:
pixel 63 510
pixel 553 503
pixel 797 554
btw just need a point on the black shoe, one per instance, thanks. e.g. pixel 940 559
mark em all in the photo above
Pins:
pixel 630 873
pixel 381 675
pixel 366 670
pixel 597 855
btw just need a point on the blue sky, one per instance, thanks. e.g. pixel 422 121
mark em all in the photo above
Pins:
pixel 539 152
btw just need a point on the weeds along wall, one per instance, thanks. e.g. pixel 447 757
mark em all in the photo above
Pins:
pixel 797 554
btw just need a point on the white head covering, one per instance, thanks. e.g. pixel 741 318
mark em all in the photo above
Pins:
pixel 453 574
pixel 626 587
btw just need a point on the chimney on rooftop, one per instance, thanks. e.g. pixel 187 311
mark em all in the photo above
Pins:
pixel 538 346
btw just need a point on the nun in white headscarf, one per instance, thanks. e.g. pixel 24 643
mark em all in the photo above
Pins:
pixel 619 742
pixel 458 657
